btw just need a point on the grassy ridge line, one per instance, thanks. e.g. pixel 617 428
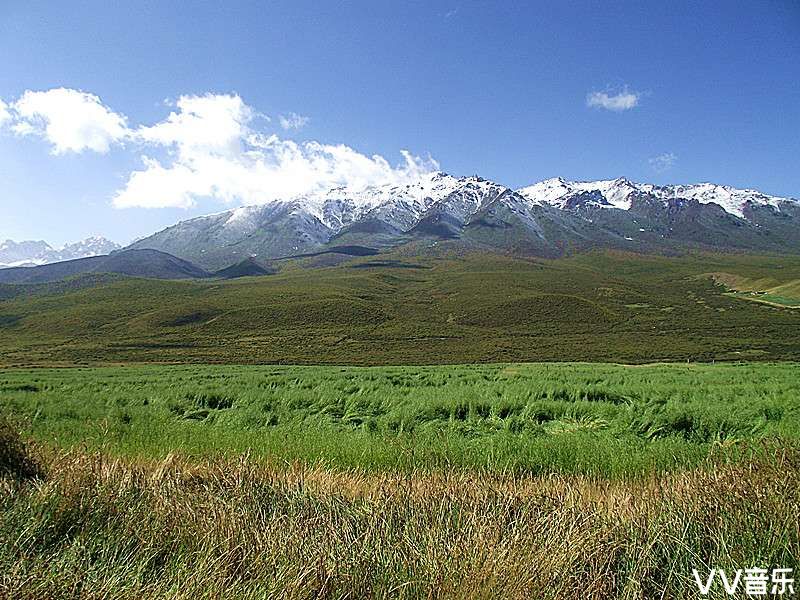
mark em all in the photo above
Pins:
pixel 608 307
pixel 99 526
pixel 599 419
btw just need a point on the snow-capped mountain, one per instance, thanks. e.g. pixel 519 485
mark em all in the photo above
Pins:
pixel 384 214
pixel 92 246
pixel 547 218
pixel 19 253
pixel 33 253
pixel 619 193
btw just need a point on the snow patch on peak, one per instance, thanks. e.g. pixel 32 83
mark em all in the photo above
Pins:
pixel 242 216
pixel 617 191
pixel 400 205
pixel 550 191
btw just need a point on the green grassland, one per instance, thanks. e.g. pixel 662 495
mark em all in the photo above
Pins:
pixel 548 481
pixel 456 308
pixel 569 418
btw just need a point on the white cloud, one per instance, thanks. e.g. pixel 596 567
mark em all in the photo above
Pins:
pixel 663 162
pixel 207 147
pixel 71 120
pixel 210 123
pixel 160 187
pixel 623 100
pixel 293 121
pixel 215 152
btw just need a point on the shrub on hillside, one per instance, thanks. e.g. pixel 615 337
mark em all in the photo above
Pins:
pixel 16 460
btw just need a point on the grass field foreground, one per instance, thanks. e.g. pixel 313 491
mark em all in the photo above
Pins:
pixel 99 526
pixel 551 481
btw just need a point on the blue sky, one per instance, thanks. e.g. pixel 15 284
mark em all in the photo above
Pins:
pixel 516 92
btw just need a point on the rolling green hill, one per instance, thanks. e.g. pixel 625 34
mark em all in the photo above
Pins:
pixel 133 263
pixel 768 290
pixel 402 309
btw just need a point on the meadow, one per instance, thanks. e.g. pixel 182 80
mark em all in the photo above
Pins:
pixel 503 480
pixel 407 310
pixel 590 419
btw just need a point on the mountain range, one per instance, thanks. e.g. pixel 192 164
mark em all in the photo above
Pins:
pixel 34 253
pixel 550 218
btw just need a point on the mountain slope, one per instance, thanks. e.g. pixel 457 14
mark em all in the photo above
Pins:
pixel 221 240
pixel 246 268
pixel 135 263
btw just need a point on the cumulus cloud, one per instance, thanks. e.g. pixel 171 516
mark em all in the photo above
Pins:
pixel 208 147
pixel 663 162
pixel 70 120
pixel 216 152
pixel 157 186
pixel 211 123
pixel 293 121
pixel 622 100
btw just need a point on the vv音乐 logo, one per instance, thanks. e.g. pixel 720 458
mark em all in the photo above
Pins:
pixel 752 582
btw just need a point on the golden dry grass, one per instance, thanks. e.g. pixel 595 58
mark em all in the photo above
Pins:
pixel 98 526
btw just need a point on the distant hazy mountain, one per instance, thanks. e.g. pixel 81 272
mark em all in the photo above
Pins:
pixel 548 218
pixel 31 253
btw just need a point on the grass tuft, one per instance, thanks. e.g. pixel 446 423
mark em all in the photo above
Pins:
pixel 16 458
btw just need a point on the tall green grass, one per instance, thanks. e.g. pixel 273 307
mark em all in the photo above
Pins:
pixel 597 419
